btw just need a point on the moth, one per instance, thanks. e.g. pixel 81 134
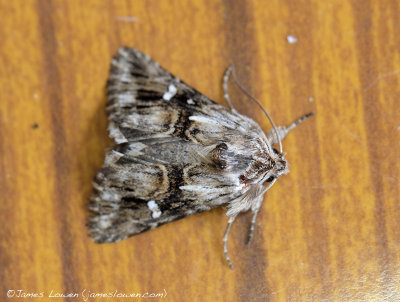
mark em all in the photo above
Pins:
pixel 177 153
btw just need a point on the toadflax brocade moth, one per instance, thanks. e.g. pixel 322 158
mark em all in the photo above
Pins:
pixel 176 153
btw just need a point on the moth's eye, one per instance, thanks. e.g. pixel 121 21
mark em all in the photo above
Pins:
pixel 275 151
pixel 271 178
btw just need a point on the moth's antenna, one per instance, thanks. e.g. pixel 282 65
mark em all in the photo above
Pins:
pixel 258 103
pixel 225 86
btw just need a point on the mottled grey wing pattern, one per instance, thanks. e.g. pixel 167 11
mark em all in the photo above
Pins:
pixel 170 159
pixel 146 101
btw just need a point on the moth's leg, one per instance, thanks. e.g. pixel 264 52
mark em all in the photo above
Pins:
pixel 225 87
pixel 253 224
pixel 283 131
pixel 225 240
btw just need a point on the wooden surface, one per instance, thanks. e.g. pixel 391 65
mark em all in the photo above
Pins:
pixel 328 231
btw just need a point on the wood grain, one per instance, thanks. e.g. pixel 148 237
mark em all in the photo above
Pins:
pixel 328 231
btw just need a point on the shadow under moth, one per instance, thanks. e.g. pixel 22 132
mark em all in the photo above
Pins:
pixel 177 153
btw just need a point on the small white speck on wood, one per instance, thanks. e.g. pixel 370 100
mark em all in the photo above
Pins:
pixel 310 99
pixel 291 39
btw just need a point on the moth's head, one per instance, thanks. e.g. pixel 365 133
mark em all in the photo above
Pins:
pixel 279 167
pixel 265 168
